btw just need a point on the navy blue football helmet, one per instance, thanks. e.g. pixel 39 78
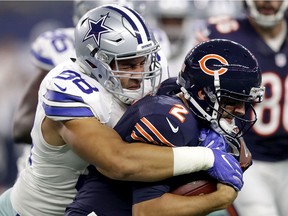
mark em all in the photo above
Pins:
pixel 224 70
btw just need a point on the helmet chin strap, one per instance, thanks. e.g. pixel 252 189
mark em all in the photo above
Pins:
pixel 218 94
pixel 220 125
pixel 224 127
pixel 129 96
pixel 188 97
pixel 213 117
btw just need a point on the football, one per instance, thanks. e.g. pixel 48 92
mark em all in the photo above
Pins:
pixel 245 155
pixel 196 184
pixel 195 188
pixel 200 183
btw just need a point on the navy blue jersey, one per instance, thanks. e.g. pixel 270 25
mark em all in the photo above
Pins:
pixel 268 139
pixel 159 120
pixel 104 196
pixel 162 120
pixel 169 87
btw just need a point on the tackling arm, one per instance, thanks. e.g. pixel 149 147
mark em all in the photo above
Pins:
pixel 104 148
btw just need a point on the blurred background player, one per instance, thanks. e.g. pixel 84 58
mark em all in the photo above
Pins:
pixel 52 48
pixel 179 20
pixel 264 32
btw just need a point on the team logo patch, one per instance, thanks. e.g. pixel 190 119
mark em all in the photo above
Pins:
pixel 208 71
pixel 96 29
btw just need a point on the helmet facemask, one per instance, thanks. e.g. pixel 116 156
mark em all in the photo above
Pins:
pixel 233 125
pixel 149 79
pixel 100 66
pixel 212 107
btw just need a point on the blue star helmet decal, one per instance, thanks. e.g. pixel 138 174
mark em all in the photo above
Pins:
pixel 96 29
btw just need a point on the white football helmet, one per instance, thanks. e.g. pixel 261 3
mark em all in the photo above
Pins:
pixel 265 20
pixel 113 32
pixel 174 17
pixel 80 7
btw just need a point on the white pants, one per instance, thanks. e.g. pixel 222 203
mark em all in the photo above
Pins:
pixel 6 208
pixel 265 190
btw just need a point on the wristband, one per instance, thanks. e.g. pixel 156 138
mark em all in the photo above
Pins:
pixel 192 159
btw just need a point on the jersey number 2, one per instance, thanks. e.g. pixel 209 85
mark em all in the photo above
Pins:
pixel 178 111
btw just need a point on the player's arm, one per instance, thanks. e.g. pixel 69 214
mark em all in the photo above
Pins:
pixel 104 148
pixel 171 204
pixel 25 114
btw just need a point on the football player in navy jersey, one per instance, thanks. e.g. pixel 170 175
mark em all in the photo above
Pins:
pixel 264 32
pixel 217 85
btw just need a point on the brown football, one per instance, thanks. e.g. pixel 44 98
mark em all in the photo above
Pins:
pixel 196 184
pixel 195 188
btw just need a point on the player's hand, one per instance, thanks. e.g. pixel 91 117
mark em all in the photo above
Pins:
pixel 226 169
pixel 226 195
pixel 212 139
pixel 234 146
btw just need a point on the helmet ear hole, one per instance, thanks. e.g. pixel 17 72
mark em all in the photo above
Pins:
pixel 90 64
pixel 101 56
pixel 201 94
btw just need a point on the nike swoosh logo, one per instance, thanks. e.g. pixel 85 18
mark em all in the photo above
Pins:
pixel 174 129
pixel 62 89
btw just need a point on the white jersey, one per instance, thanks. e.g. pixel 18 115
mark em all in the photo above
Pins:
pixel 47 184
pixel 53 47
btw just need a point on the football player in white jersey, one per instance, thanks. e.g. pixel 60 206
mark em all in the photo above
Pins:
pixel 78 103
pixel 52 48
